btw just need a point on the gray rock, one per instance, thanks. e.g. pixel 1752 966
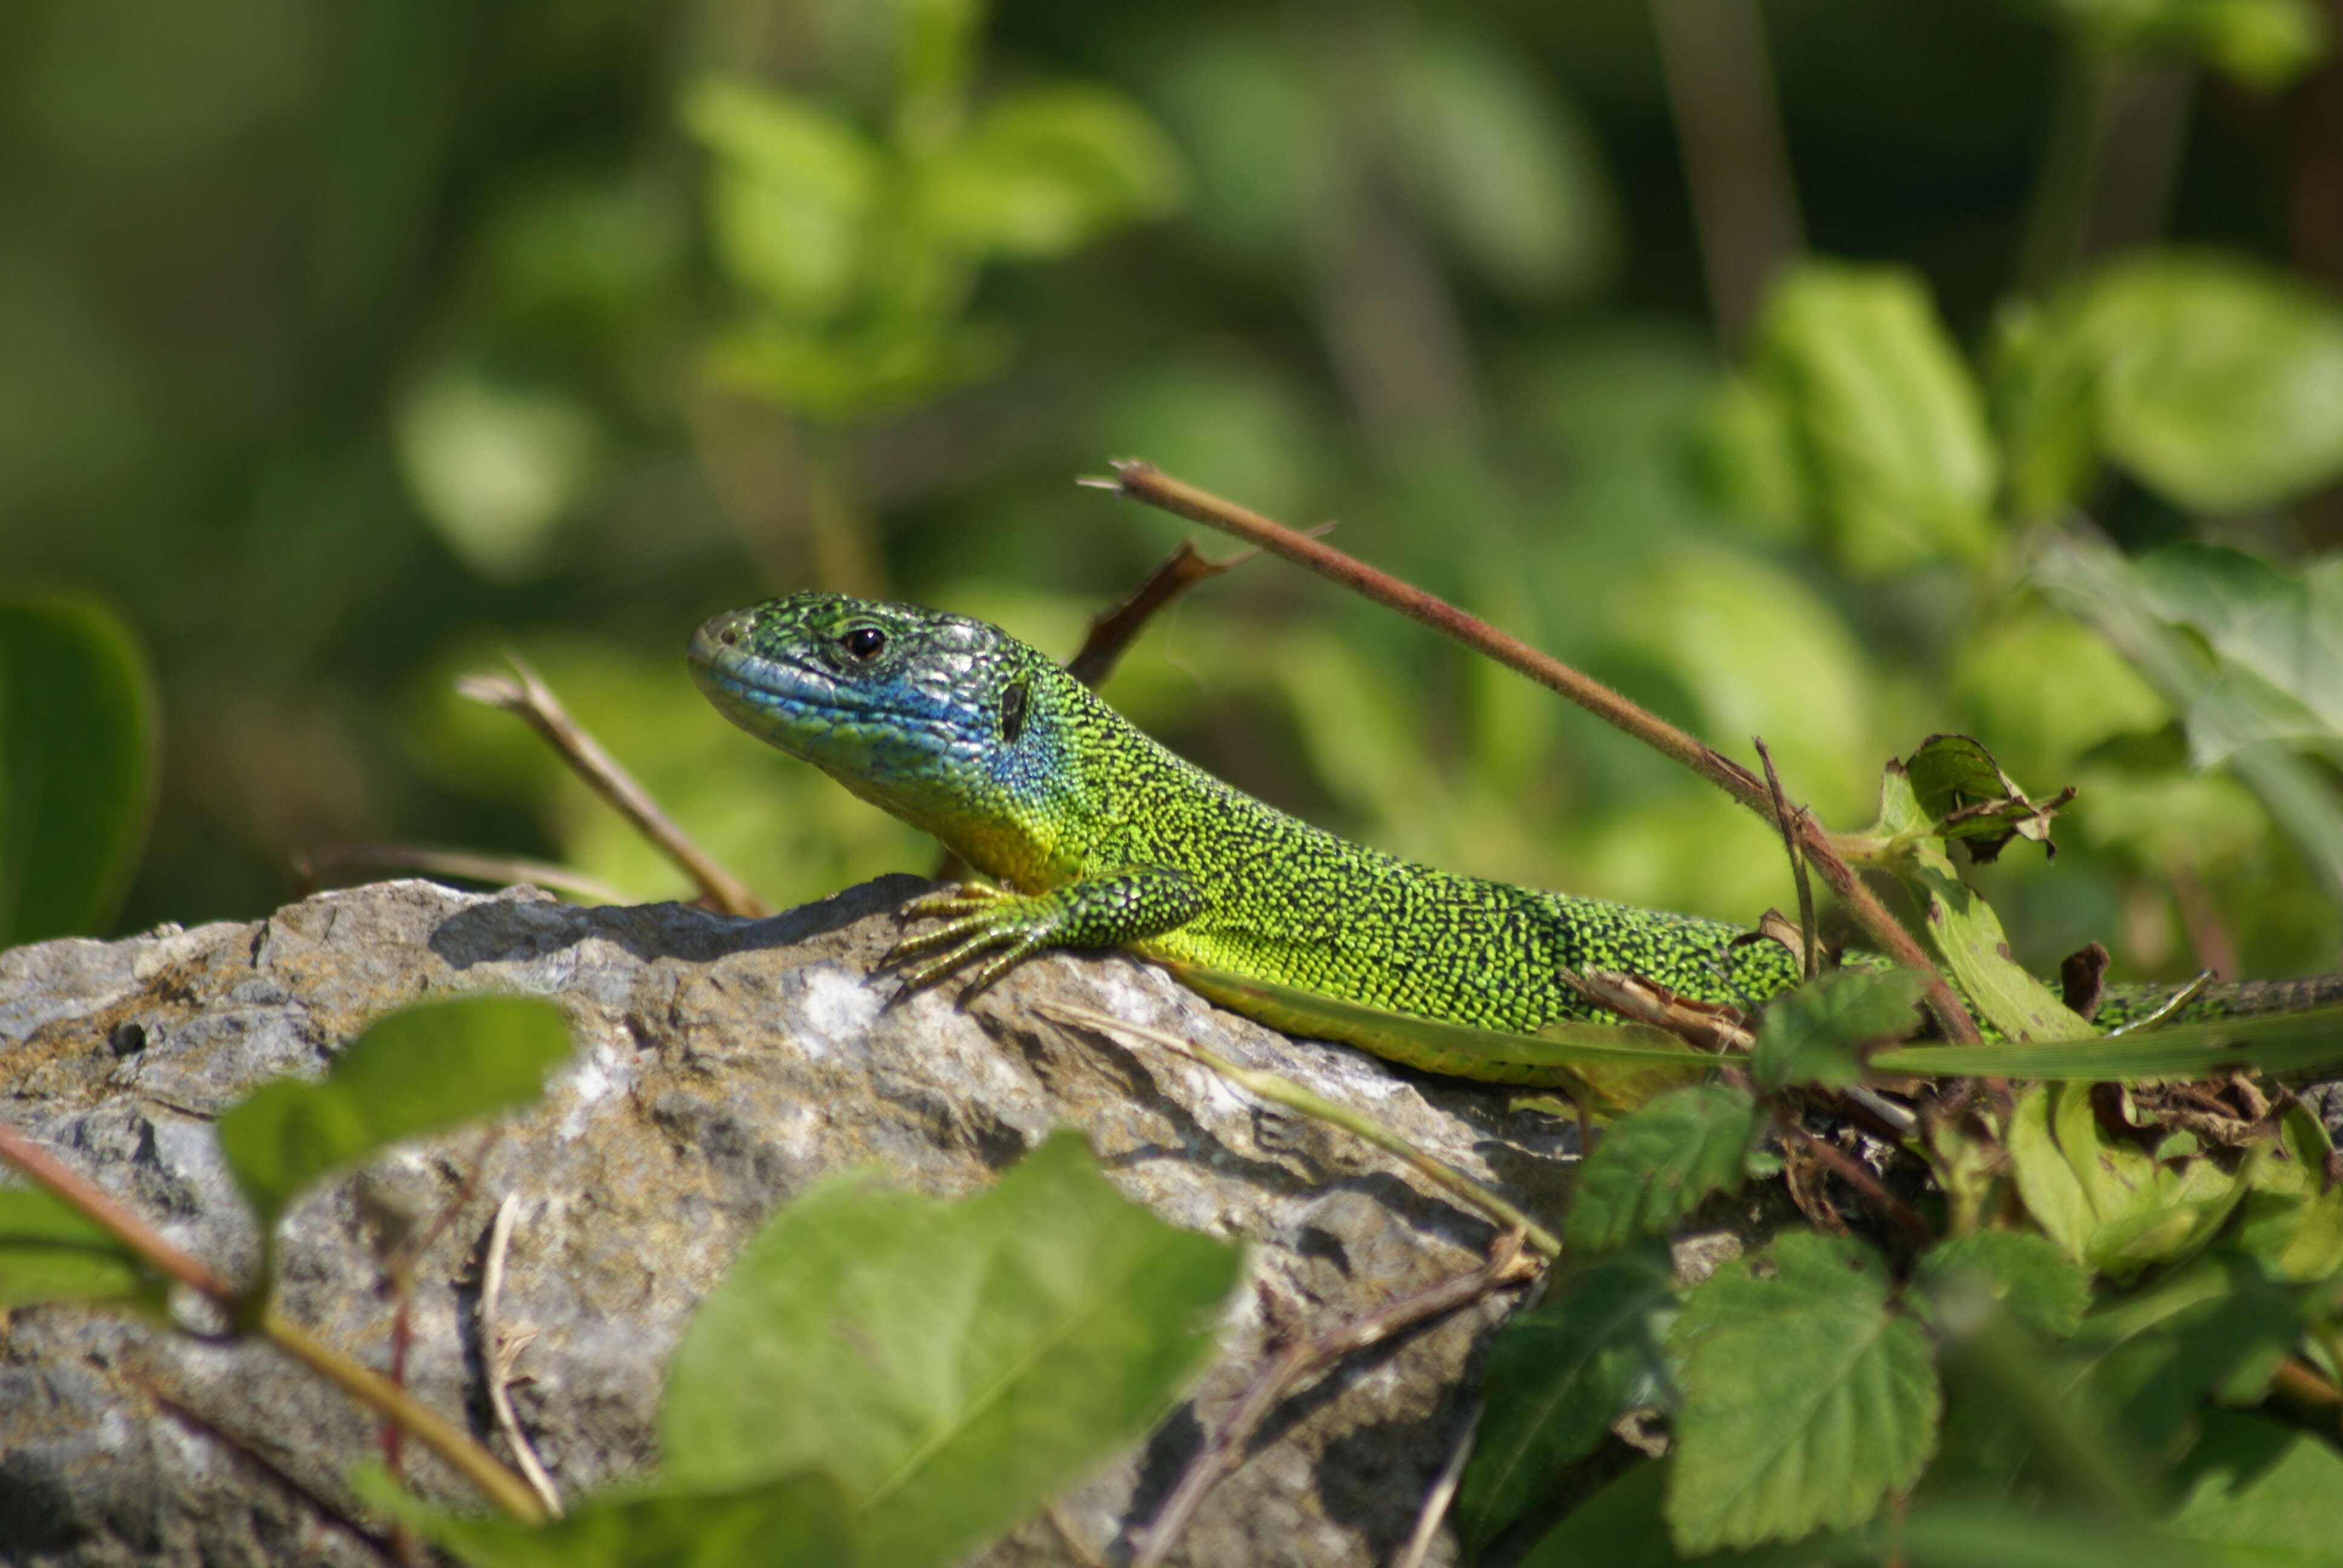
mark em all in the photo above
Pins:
pixel 724 1065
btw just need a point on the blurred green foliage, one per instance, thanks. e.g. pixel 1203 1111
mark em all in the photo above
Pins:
pixel 345 350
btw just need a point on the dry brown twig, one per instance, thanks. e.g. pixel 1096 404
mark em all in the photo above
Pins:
pixel 502 1349
pixel 1144 482
pixel 362 1383
pixel 530 700
pixel 1508 1265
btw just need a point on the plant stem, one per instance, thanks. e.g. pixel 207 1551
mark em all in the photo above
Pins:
pixel 1144 482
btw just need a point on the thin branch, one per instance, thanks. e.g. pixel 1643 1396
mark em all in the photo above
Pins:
pixel 112 1216
pixel 1283 1091
pixel 368 1387
pixel 1278 1374
pixel 503 1349
pixel 499 871
pixel 1860 1177
pixel 533 701
pixel 1809 948
pixel 1144 482
pixel 1442 1493
pixel 244 1449
pixel 1114 631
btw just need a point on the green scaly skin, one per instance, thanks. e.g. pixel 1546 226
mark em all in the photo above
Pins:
pixel 1103 839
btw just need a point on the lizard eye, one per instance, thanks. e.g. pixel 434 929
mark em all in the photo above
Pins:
pixel 864 641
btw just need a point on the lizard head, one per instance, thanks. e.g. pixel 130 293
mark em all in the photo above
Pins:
pixel 931 717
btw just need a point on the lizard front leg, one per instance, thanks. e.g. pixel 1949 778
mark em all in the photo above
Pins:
pixel 1106 912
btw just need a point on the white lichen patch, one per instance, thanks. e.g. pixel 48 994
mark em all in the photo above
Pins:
pixel 603 1069
pixel 836 1005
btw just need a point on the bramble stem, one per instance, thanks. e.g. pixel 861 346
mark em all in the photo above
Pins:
pixel 1145 482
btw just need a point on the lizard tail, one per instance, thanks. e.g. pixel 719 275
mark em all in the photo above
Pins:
pixel 2129 1003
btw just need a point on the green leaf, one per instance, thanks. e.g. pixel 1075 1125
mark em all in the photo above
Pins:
pixel 2026 1275
pixel 419 1069
pixel 50 1252
pixel 2045 689
pixel 954 1364
pixel 2292 1220
pixel 1047 170
pixel 2219 382
pixel 1622 1526
pixel 2261 1495
pixel 792 192
pixel 77 746
pixel 1806 1398
pixel 1815 1034
pixel 2100 585
pixel 1965 793
pixel 1503 169
pixel 1558 1375
pixel 2278 638
pixel 1897 455
pixel 2216 1328
pixel 1655 1164
pixel 797 1521
pixel 2102 1197
pixel 1966 932
pixel 2212 1048
pixel 2262 43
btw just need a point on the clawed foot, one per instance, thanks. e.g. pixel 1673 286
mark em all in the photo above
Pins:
pixel 977 920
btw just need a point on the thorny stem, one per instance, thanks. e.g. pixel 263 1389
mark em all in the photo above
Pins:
pixel 1283 1091
pixel 370 1388
pixel 1280 1372
pixel 1144 482
pixel 533 701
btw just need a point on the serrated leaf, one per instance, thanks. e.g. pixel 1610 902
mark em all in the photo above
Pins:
pixel 1806 1398
pixel 1897 451
pixel 50 1252
pixel 1621 1527
pixel 955 1365
pixel 77 745
pixel 1559 1374
pixel 1655 1164
pixel 797 1521
pixel 1815 1034
pixel 419 1069
pixel 2261 1495
pixel 2027 1276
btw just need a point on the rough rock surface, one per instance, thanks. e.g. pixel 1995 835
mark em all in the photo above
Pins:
pixel 724 1065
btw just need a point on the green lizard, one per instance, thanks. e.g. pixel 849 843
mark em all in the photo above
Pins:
pixel 1099 836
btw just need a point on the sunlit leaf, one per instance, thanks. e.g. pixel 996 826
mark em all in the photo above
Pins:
pixel 793 188
pixel 1655 1164
pixel 1559 1374
pixel 2277 637
pixel 1963 790
pixel 2261 1495
pixel 1046 170
pixel 1621 1526
pixel 2293 1219
pixel 420 1069
pixel 2044 688
pixel 1965 931
pixel 77 746
pixel 797 1521
pixel 1807 1400
pixel 2027 1276
pixel 955 1365
pixel 1815 1034
pixel 49 1251
pixel 1897 455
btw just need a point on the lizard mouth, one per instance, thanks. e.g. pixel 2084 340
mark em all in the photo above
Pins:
pixel 786 701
